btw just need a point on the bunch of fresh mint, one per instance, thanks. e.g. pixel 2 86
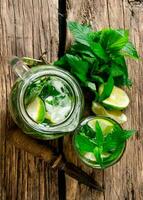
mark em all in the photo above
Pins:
pixel 88 140
pixel 98 57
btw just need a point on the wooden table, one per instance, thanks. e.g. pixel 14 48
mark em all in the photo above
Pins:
pixel 28 28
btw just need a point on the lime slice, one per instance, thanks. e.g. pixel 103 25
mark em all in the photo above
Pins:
pixel 105 124
pixel 90 156
pixel 118 99
pixel 105 155
pixel 36 110
pixel 117 115
pixel 48 116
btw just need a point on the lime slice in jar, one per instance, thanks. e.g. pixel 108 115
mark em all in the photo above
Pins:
pixel 117 115
pixel 118 99
pixel 36 110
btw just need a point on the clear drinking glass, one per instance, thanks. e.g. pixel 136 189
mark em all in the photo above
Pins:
pixel 63 79
pixel 88 156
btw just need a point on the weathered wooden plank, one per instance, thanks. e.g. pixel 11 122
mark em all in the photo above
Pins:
pixel 124 180
pixel 27 28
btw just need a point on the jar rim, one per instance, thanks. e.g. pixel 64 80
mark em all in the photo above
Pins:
pixel 35 73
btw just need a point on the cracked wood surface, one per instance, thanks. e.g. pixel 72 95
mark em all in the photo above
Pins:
pixel 28 28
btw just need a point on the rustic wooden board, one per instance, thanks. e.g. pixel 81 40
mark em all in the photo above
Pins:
pixel 27 28
pixel 124 181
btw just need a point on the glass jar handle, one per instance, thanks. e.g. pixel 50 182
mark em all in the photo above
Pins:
pixel 19 67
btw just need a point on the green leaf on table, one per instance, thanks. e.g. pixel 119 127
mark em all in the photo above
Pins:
pixel 96 55
pixel 114 40
pixel 108 87
pixel 120 61
pixel 126 134
pixel 98 50
pixel 116 70
pixel 129 50
pixel 95 36
pixel 123 79
pixel 82 49
pixel 97 79
pixel 122 37
pixel 78 67
pixel 62 62
pixel 104 68
pixel 80 32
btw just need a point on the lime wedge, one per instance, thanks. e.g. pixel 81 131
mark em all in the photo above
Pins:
pixel 118 99
pixel 117 115
pixel 36 110
pixel 90 156
pixel 48 116
pixel 105 155
pixel 105 124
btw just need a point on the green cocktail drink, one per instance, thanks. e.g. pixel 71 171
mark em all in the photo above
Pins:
pixel 45 102
pixel 48 100
pixel 98 142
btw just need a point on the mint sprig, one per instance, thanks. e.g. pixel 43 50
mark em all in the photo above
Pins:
pixel 107 89
pixel 95 56
pixel 89 140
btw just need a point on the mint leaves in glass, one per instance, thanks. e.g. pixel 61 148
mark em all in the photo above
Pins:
pixel 100 141
pixel 49 100
pixel 45 102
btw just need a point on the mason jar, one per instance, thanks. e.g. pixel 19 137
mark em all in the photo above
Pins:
pixel 84 145
pixel 62 111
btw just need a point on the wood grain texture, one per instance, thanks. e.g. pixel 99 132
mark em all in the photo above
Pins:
pixel 124 181
pixel 27 28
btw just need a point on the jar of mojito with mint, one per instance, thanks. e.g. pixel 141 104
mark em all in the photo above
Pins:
pixel 45 102
pixel 100 141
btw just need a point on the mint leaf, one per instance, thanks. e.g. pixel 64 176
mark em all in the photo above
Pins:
pixel 84 144
pixel 117 137
pixel 97 79
pixel 123 36
pixel 126 134
pixel 62 62
pixel 82 50
pixel 120 61
pixel 78 67
pixel 97 152
pixel 108 87
pixel 94 56
pixel 99 135
pixel 114 40
pixel 89 132
pixel 116 70
pixel 99 51
pixel 80 32
pixel 129 50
